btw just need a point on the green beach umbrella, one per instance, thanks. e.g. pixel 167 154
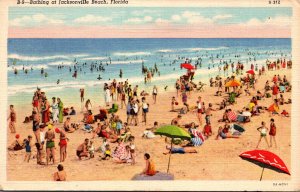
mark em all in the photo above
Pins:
pixel 173 132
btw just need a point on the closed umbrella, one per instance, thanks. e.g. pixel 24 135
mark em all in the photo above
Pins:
pixel 172 132
pixel 266 158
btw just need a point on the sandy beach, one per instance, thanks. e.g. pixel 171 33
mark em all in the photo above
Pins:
pixel 215 160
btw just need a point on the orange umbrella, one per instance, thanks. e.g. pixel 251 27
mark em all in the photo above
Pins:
pixel 233 83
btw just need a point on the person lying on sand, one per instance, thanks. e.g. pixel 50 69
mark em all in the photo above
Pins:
pixel 149 132
pixel 180 150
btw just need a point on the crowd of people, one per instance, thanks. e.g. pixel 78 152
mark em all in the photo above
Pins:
pixel 118 142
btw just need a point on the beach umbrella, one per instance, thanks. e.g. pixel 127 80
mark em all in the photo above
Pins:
pixel 233 83
pixel 187 66
pixel 265 159
pixel 251 72
pixel 172 132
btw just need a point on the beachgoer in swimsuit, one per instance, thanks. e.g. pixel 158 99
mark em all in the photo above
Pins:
pixel 263 133
pixel 150 166
pixel 60 175
pixel 13 119
pixel 82 149
pixel 272 132
pixel 50 145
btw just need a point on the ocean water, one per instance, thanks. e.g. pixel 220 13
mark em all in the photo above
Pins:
pixel 126 55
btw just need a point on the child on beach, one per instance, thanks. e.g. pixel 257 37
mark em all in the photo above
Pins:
pixel 28 145
pixel 263 133
pixel 132 148
pixel 272 132
pixel 107 152
pixel 91 149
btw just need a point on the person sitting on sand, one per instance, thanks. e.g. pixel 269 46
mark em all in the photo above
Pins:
pixel 60 175
pixel 106 152
pixel 17 144
pixel 126 158
pixel 120 151
pixel 176 121
pixel 73 112
pixel 180 150
pixel 82 149
pixel 197 136
pixel 150 166
pixel 67 126
pixel 224 133
pixel 224 117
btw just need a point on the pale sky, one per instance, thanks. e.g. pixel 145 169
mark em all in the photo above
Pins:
pixel 151 22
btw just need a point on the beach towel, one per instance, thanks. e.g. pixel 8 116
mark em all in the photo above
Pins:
pixel 232 116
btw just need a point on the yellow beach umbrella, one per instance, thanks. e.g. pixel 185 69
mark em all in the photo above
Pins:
pixel 233 83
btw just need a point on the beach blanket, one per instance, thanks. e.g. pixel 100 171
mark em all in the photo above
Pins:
pixel 232 116
pixel 198 138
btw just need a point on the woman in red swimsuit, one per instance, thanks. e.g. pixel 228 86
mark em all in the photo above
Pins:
pixel 275 90
pixel 272 132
